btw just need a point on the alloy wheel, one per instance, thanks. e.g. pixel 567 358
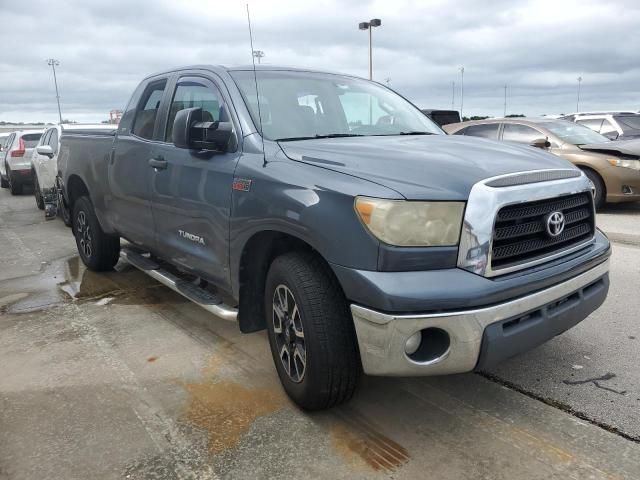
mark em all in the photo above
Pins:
pixel 289 333
pixel 84 234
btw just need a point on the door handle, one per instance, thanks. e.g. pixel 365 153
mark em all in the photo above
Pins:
pixel 159 163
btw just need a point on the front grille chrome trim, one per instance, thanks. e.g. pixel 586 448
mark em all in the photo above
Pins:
pixel 485 201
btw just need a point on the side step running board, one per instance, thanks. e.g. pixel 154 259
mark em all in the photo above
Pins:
pixel 207 300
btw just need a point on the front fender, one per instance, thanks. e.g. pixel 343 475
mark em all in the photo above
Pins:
pixel 311 203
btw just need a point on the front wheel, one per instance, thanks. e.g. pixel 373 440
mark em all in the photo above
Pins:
pixel 37 193
pixel 311 333
pixel 599 193
pixel 98 251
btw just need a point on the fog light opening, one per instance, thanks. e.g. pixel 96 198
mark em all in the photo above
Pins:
pixel 430 345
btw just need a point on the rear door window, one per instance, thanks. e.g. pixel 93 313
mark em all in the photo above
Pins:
pixel 147 112
pixel 593 123
pixel 514 132
pixel 31 139
pixel 485 130
pixel 607 127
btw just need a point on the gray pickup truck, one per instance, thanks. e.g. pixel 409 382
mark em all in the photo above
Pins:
pixel 330 211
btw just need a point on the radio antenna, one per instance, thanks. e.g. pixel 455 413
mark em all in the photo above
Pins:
pixel 255 79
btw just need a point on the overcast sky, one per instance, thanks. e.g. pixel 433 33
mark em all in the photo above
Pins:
pixel 538 48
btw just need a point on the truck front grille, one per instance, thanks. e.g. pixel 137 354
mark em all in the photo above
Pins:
pixel 520 233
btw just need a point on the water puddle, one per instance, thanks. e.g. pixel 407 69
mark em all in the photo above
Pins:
pixel 69 280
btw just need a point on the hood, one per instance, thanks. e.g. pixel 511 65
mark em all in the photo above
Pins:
pixel 433 167
pixel 621 147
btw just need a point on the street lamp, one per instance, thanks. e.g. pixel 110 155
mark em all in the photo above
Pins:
pixel 453 95
pixel 54 63
pixel 578 101
pixel 258 54
pixel 375 22
pixel 505 101
pixel 461 91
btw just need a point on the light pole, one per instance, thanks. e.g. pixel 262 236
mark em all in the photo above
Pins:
pixel 461 91
pixel 578 101
pixel 258 54
pixel 505 101
pixel 453 95
pixel 54 63
pixel 374 22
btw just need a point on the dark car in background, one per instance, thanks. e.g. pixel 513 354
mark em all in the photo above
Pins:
pixel 612 167
pixel 443 117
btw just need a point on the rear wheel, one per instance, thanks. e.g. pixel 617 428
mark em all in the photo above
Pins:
pixel 14 187
pixel 4 183
pixel 37 193
pixel 600 193
pixel 311 332
pixel 98 251
pixel 63 210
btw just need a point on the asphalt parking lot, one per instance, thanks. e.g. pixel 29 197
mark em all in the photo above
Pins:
pixel 114 376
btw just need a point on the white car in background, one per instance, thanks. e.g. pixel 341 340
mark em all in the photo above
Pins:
pixel 15 164
pixel 44 167
pixel 613 125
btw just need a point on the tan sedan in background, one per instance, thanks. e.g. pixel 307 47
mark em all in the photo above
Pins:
pixel 613 167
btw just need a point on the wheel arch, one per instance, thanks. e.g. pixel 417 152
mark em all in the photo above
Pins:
pixel 258 252
pixel 584 167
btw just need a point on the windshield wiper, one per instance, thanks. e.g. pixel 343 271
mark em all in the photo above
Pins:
pixel 329 135
pixel 402 133
pixel 416 133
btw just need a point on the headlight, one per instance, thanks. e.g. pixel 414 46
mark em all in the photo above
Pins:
pixel 411 224
pixel 621 162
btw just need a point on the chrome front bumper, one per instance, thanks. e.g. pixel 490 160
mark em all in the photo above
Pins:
pixel 382 337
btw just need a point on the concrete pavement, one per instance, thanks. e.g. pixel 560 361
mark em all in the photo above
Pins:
pixel 114 376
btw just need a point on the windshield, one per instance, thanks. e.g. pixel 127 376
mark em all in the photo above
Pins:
pixel 629 122
pixel 574 133
pixel 302 105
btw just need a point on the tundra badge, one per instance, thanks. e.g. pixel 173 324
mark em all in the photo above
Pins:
pixel 191 236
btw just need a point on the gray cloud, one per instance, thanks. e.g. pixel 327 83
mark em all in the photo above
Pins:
pixel 537 48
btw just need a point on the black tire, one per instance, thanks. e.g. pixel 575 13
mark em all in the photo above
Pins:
pixel 37 193
pixel 600 194
pixel 332 366
pixel 98 251
pixel 14 187
pixel 63 210
pixel 4 183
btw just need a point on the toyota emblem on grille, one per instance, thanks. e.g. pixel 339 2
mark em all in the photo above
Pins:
pixel 555 224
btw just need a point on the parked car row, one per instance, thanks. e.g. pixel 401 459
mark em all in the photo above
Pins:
pixel 612 166
pixel 30 158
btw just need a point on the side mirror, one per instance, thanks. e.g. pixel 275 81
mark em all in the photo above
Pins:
pixel 45 150
pixel 612 135
pixel 541 143
pixel 191 130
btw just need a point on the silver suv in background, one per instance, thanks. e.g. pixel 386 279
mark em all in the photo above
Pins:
pixel 44 168
pixel 614 126
pixel 15 160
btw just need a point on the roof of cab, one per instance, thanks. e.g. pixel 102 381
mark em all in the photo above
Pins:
pixel 224 68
